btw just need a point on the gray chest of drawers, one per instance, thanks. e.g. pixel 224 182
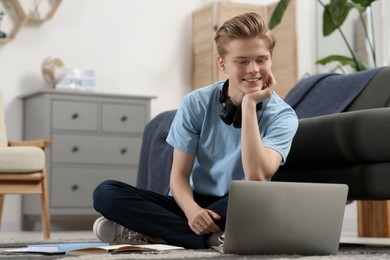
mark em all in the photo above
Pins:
pixel 94 137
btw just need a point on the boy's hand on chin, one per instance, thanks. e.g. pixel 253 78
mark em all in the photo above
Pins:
pixel 270 81
pixel 258 96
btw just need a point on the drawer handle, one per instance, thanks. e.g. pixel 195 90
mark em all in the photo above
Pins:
pixel 124 118
pixel 74 187
pixel 75 116
pixel 75 149
pixel 123 151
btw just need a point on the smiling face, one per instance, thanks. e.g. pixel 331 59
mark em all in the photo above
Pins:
pixel 247 64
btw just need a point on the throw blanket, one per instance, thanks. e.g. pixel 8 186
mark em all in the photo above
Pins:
pixel 156 155
pixel 327 93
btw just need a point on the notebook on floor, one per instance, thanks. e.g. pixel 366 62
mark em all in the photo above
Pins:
pixel 284 218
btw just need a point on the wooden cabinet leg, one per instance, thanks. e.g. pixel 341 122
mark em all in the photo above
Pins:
pixel 373 218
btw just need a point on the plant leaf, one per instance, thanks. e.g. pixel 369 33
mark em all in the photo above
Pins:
pixel 361 5
pixel 334 15
pixel 364 3
pixel 277 14
pixel 344 60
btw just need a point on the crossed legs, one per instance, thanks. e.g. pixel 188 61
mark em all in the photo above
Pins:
pixel 154 214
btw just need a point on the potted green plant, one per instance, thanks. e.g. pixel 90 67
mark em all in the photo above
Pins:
pixel 334 15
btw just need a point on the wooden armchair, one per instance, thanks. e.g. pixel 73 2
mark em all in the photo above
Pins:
pixel 23 170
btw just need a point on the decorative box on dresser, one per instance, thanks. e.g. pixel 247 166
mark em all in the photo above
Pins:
pixel 94 137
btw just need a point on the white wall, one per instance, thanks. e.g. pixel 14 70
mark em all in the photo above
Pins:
pixel 138 47
pixel 382 33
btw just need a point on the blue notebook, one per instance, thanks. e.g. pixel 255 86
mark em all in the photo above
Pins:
pixel 54 248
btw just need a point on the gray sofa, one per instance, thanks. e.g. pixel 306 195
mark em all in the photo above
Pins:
pixel 352 147
pixel 349 146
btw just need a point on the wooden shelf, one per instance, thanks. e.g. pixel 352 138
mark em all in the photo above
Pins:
pixel 13 19
pixel 18 12
pixel 39 11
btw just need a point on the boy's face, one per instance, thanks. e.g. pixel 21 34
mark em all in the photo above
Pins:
pixel 247 65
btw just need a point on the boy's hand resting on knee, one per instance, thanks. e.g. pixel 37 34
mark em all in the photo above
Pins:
pixel 202 222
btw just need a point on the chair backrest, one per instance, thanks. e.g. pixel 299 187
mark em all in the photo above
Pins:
pixel 156 156
pixel 3 133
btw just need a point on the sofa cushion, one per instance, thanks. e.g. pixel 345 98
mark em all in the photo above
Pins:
pixel 376 94
pixel 365 181
pixel 21 159
pixel 327 93
pixel 355 137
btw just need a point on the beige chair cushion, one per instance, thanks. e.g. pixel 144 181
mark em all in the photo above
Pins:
pixel 21 159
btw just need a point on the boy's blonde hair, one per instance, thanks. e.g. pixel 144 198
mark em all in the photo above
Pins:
pixel 245 26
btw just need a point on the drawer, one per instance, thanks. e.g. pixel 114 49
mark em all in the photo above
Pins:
pixel 95 149
pixel 123 117
pixel 73 115
pixel 70 187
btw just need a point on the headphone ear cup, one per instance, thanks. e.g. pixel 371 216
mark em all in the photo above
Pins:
pixel 230 113
pixel 237 118
pixel 227 114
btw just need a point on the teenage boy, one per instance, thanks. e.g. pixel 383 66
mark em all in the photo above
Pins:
pixel 238 129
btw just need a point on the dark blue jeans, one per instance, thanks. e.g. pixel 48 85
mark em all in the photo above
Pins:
pixel 154 214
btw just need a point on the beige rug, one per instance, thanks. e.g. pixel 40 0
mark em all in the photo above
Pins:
pixel 346 252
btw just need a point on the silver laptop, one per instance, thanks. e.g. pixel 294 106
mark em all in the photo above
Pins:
pixel 284 218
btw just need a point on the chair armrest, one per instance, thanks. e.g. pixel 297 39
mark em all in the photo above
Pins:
pixel 41 143
pixel 348 138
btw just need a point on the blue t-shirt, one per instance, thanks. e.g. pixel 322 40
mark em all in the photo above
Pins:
pixel 197 129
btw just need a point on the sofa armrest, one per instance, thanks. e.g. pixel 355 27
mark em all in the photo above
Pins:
pixel 354 137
